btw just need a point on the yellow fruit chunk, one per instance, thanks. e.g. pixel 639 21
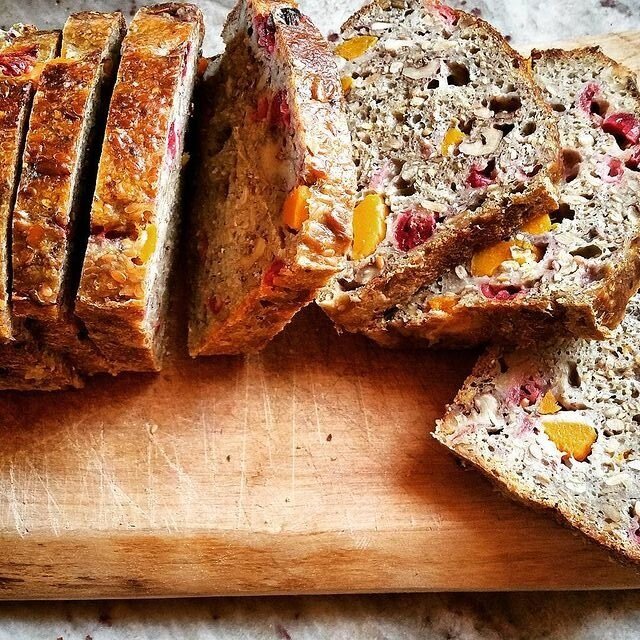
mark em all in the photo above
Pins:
pixel 295 209
pixel 443 303
pixel 149 241
pixel 451 140
pixel 539 224
pixel 346 82
pixel 369 225
pixel 486 261
pixel 572 437
pixel 354 48
pixel 548 404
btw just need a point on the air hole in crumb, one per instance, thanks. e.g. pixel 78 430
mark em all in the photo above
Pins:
pixel 574 375
pixel 636 418
pixel 558 107
pixel 458 74
pixel 505 127
pixel 433 84
pixel 466 125
pixel 588 251
pixel 528 128
pixel 571 160
pixel 503 365
pixel 564 212
pixel 506 103
pixel 599 106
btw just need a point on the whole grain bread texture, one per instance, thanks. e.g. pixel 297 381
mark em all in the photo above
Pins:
pixel 558 427
pixel 24 364
pixel 276 180
pixel 573 271
pixel 123 293
pixel 51 215
pixel 454 144
pixel 23 51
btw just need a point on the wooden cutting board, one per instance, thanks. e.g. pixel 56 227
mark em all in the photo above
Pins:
pixel 307 468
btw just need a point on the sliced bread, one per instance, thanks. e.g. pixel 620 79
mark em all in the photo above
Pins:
pixel 559 427
pixel 51 218
pixel 454 144
pixel 23 50
pixel 573 271
pixel 275 185
pixel 134 218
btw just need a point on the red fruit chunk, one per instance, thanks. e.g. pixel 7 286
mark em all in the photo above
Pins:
pixel 587 95
pixel 414 227
pixel 262 109
pixel 265 32
pixel 16 63
pixel 610 169
pixel 448 14
pixel 624 126
pixel 272 272
pixel 280 113
pixel 501 291
pixel 633 162
pixel 479 178
pixel 173 141
pixel 530 390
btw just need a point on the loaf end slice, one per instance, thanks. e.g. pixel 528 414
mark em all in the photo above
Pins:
pixel 51 216
pixel 573 271
pixel 275 185
pixel 454 144
pixel 122 297
pixel 559 427
pixel 23 50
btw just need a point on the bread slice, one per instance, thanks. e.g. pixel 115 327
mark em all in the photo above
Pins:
pixel 454 145
pixel 559 427
pixel 275 186
pixel 134 218
pixel 50 221
pixel 22 53
pixel 575 271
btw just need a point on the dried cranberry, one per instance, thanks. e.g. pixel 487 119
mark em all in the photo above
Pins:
pixel 16 63
pixel 587 95
pixel 610 169
pixel 479 178
pixel 501 291
pixel 448 14
pixel 265 32
pixel 414 227
pixel 173 141
pixel 272 272
pixel 280 113
pixel 530 390
pixel 624 126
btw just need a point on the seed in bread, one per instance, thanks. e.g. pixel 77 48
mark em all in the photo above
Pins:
pixel 575 269
pixel 275 181
pixel 451 132
pixel 558 426
pixel 50 221
pixel 123 292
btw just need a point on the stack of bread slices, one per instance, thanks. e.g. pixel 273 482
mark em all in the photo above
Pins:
pixel 417 178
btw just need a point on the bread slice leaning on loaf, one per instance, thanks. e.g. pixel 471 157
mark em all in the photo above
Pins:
pixel 275 181
pixel 559 427
pixel 51 215
pixel 573 271
pixel 454 144
pixel 134 218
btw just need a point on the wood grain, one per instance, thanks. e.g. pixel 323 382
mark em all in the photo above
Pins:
pixel 307 468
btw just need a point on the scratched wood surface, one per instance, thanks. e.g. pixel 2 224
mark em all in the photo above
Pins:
pixel 307 468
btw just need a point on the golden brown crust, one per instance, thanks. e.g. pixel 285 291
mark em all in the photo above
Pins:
pixel 139 136
pixel 315 253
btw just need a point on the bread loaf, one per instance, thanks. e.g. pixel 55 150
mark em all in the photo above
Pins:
pixel 454 145
pixel 274 187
